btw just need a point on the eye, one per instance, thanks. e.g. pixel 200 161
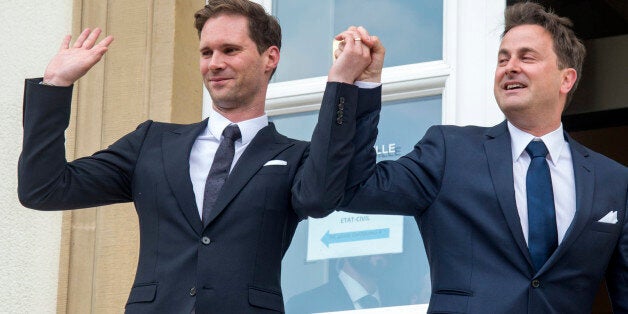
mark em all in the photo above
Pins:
pixel 502 61
pixel 528 58
pixel 230 50
pixel 206 53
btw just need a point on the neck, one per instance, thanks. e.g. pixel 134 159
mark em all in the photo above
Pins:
pixel 239 114
pixel 536 128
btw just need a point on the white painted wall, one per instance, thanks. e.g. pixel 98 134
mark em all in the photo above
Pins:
pixel 29 240
pixel 472 55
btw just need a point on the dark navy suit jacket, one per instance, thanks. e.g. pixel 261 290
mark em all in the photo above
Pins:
pixel 457 182
pixel 234 264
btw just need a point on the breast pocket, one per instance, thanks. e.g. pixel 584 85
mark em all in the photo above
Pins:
pixel 605 227
pixel 598 239
pixel 273 169
pixel 274 185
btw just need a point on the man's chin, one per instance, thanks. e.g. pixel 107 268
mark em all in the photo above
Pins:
pixel 225 103
pixel 512 106
pixel 222 97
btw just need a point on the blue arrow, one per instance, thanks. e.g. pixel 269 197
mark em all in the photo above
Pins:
pixel 354 236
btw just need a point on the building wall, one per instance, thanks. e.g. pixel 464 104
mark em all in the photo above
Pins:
pixel 603 85
pixel 149 72
pixel 29 249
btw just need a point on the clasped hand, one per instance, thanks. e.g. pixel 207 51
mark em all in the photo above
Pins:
pixel 359 57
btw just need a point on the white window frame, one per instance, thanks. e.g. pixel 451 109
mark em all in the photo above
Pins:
pixel 464 77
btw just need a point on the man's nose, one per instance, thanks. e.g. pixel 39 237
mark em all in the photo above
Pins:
pixel 216 62
pixel 513 66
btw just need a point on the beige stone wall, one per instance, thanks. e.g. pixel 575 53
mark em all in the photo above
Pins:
pixel 149 72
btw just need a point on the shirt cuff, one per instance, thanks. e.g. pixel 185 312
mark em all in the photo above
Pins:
pixel 367 85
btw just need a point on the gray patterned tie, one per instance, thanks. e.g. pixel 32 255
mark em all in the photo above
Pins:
pixel 220 169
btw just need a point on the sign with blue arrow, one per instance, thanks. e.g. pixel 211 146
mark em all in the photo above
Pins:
pixel 354 236
pixel 345 235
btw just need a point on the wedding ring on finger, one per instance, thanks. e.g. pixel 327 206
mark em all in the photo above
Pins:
pixel 357 39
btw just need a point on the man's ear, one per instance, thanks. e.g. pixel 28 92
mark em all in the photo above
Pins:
pixel 272 58
pixel 569 78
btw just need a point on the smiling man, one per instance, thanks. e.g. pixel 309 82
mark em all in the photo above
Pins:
pixel 519 217
pixel 218 201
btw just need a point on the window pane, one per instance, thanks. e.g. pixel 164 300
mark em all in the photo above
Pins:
pixel 307 29
pixel 411 30
pixel 320 247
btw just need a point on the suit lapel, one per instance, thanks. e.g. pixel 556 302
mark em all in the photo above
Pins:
pixel 584 178
pixel 264 146
pixel 177 146
pixel 499 155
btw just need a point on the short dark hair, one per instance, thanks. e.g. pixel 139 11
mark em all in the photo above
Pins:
pixel 264 28
pixel 570 50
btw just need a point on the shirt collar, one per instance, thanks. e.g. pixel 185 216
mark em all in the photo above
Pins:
pixel 248 128
pixel 354 288
pixel 554 141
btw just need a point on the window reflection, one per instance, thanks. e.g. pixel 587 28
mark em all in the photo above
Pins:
pixel 411 30
pixel 328 268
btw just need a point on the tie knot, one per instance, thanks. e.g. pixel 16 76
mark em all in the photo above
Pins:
pixel 232 132
pixel 537 149
pixel 368 302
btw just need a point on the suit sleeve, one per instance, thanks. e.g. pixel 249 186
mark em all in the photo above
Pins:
pixel 617 273
pixel 363 161
pixel 320 183
pixel 406 186
pixel 46 181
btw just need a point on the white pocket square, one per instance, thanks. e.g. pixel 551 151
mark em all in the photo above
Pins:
pixel 610 218
pixel 276 162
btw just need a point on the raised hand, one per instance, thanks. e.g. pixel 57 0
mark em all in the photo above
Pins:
pixel 373 71
pixel 352 57
pixel 71 63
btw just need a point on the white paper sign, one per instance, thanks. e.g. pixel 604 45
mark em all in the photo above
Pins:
pixel 407 309
pixel 345 235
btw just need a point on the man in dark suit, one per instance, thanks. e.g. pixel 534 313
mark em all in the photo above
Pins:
pixel 218 201
pixel 509 229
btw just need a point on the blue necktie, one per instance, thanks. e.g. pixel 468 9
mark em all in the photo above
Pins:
pixel 542 234
pixel 220 169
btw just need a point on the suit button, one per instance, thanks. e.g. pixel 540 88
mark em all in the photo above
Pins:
pixel 206 240
pixel 536 283
pixel 192 291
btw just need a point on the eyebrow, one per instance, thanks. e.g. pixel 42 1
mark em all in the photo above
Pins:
pixel 222 46
pixel 523 50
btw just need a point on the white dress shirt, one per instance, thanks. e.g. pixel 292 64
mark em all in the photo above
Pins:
pixel 355 290
pixel 561 171
pixel 206 145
